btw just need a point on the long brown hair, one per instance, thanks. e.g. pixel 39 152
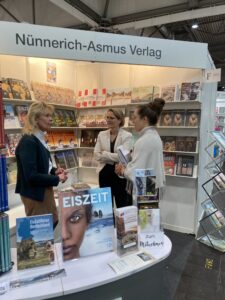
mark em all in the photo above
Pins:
pixel 152 110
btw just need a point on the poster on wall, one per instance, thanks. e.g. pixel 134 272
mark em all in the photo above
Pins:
pixel 51 72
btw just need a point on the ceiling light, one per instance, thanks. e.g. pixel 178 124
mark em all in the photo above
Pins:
pixel 194 25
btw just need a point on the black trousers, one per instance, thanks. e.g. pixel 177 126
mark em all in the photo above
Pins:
pixel 108 178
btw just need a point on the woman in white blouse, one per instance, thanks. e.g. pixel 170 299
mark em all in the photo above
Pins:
pixel 106 154
pixel 148 150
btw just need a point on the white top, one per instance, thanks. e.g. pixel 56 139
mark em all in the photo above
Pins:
pixel 41 136
pixel 102 148
pixel 147 153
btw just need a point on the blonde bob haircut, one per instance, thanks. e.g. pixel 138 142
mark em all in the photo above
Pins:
pixel 119 115
pixel 36 109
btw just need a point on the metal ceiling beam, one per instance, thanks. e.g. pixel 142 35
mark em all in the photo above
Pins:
pixel 106 9
pixel 168 16
pixel 33 12
pixel 10 14
pixel 191 34
pixel 78 13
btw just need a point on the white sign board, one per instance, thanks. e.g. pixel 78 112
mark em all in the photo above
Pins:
pixel 213 75
pixel 151 241
pixel 53 42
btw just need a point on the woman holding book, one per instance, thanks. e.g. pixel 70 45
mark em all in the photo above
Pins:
pixel 36 175
pixel 148 150
pixel 106 154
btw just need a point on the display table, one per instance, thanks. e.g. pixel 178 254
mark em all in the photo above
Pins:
pixel 81 274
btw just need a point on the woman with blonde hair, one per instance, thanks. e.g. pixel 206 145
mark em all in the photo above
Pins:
pixel 106 154
pixel 36 175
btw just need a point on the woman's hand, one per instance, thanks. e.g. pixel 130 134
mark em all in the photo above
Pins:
pixel 119 169
pixel 60 171
pixel 63 177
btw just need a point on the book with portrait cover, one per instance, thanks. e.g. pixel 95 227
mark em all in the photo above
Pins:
pixel 21 112
pixel 192 118
pixel 190 91
pixel 178 118
pixel 34 241
pixel 10 119
pixel 166 118
pixel 169 143
pixel 168 93
pixel 86 218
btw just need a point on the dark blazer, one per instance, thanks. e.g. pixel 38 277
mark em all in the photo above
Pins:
pixel 32 168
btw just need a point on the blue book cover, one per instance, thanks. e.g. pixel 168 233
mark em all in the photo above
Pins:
pixel 4 184
pixel 87 226
pixel 35 241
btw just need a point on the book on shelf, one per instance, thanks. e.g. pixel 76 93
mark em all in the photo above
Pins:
pixel 190 91
pixel 181 143
pixel 12 140
pixel 70 118
pixel 185 165
pixel 34 241
pixel 126 229
pixel 71 159
pixel 87 158
pixel 190 144
pixel 178 118
pixel 5 250
pixel 70 140
pixel 60 159
pixel 169 163
pixel 168 93
pixel 86 222
pixel 19 89
pixel 4 204
pixel 21 113
pixel 149 220
pixel 121 96
pixel 10 119
pixel 192 118
pixel 6 89
pixel 58 118
pixel 2 132
pixel 169 143
pixel 88 138
pixel 166 118
pixel 142 94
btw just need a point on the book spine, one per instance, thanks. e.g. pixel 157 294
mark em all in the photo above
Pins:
pixel 2 244
pixel 1 186
pixel 2 134
pixel 8 244
pixel 4 182
pixel 5 242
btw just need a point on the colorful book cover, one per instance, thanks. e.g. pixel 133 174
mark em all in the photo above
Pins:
pixel 10 119
pixel 178 118
pixel 2 132
pixel 190 91
pixel 126 229
pixel 86 222
pixel 87 138
pixel 168 93
pixel 21 112
pixel 6 89
pixel 19 89
pixel 71 159
pixel 35 241
pixel 149 220
pixel 166 118
pixel 142 94
pixel 169 143
pixel 70 118
pixel 121 96
pixel 169 163
pixel 185 165
pixel 192 118
pixel 145 182
pixel 60 160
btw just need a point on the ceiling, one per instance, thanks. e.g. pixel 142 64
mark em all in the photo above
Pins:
pixel 167 19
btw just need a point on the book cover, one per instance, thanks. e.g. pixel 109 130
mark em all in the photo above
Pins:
pixel 190 143
pixel 145 182
pixel 169 163
pixel 71 159
pixel 60 160
pixel 87 138
pixel 126 229
pixel 169 143
pixel 121 96
pixel 178 118
pixel 58 118
pixel 21 113
pixel 6 89
pixel 19 89
pixel 192 118
pixel 185 165
pixel 12 140
pixel 142 94
pixel 70 140
pixel 149 220
pixel 86 222
pixel 168 93
pixel 190 91
pixel 166 118
pixel 70 118
pixel 2 132
pixel 34 241
pixel 10 119
pixel 181 143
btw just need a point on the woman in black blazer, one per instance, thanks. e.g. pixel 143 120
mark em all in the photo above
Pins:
pixel 36 175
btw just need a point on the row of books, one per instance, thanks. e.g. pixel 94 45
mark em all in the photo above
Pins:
pixel 89 137
pixel 188 91
pixel 182 165
pixel 15 89
pixel 3 185
pixel 179 143
pixel 189 118
pixel 64 118
pixel 53 94
pixel 5 251
pixel 65 159
pixel 61 140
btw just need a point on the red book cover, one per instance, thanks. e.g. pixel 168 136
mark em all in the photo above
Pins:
pixel 2 135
